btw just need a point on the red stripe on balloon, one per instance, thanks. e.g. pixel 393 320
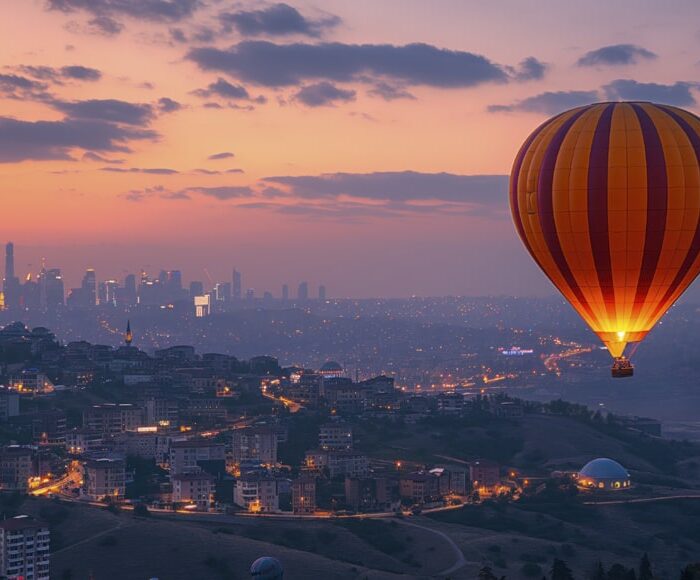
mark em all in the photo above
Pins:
pixel 657 202
pixel 598 207
pixel 515 176
pixel 694 249
pixel 545 210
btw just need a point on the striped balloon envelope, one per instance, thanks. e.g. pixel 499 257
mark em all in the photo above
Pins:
pixel 606 199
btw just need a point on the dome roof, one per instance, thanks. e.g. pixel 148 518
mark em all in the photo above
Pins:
pixel 604 468
pixel 266 568
pixel 331 365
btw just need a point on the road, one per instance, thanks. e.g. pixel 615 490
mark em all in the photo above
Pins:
pixel 460 560
pixel 643 499
pixel 90 538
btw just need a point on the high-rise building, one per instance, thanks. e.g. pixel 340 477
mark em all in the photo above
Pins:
pixel 174 284
pixel 9 260
pixel 89 288
pixel 237 285
pixel 107 292
pixel 285 292
pixel 51 289
pixel 249 294
pixel 222 292
pixel 196 288
pixel 321 292
pixel 303 292
pixel 130 290
pixel 24 548
pixel 11 287
pixel 31 296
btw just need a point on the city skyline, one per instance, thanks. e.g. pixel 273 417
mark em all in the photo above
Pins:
pixel 47 288
pixel 402 148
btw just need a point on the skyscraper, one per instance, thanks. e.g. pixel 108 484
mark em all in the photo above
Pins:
pixel 303 292
pixel 130 290
pixel 196 288
pixel 89 288
pixel 237 280
pixel 285 292
pixel 9 260
pixel 321 292
pixel 51 289
pixel 11 286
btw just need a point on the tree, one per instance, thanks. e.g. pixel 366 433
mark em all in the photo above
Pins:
pixel 141 510
pixel 599 572
pixel 618 572
pixel 691 572
pixel 645 572
pixel 560 571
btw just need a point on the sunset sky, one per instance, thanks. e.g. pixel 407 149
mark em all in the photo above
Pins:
pixel 363 144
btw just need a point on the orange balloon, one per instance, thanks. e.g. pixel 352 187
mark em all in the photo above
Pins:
pixel 606 198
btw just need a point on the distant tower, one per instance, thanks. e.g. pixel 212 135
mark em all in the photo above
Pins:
pixel 11 286
pixel 9 261
pixel 128 337
pixel 89 287
pixel 285 292
pixel 303 291
pixel 237 285
pixel 321 292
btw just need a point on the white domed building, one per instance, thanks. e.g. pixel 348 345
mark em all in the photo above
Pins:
pixel 603 474
pixel 267 568
pixel 331 370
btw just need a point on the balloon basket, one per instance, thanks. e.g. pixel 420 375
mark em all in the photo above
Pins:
pixel 622 368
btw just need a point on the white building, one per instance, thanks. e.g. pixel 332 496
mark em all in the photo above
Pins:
pixel 194 488
pixel 104 477
pixel 603 474
pixel 257 493
pixel 24 549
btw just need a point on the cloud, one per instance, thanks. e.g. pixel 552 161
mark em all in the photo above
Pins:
pixel 616 55
pixel 398 186
pixel 102 24
pixel 678 94
pixel 549 103
pixel 137 195
pixel 275 65
pixel 92 156
pixel 222 155
pixel 106 110
pixel 153 10
pixel 530 69
pixel 224 89
pixel 22 140
pixel 323 94
pixel 178 35
pixel 224 192
pixel 355 195
pixel 389 92
pixel 166 105
pixel 146 170
pixel 82 73
pixel 276 20
pixel 14 86
pixel 58 75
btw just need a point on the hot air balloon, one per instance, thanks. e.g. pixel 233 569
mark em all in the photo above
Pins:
pixel 606 198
